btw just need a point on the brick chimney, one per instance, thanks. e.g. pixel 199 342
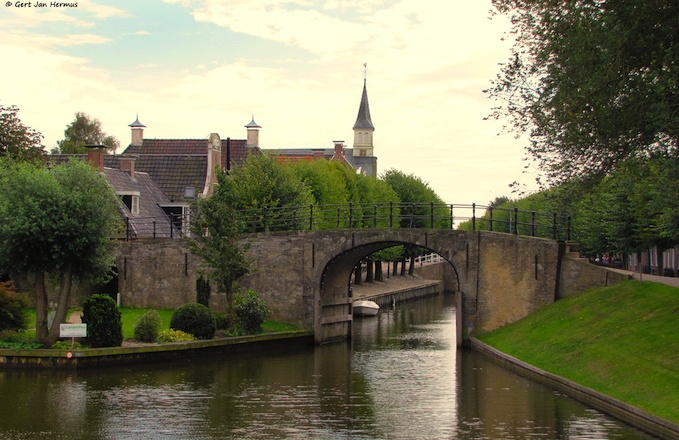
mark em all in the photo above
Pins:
pixel 319 154
pixel 137 132
pixel 95 156
pixel 127 164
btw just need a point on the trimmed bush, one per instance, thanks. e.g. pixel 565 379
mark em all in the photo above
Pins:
pixel 195 319
pixel 203 291
pixel 104 326
pixel 12 308
pixel 251 311
pixel 223 320
pixel 147 327
pixel 171 335
pixel 65 345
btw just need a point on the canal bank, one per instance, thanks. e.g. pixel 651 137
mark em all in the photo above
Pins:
pixel 617 408
pixel 150 353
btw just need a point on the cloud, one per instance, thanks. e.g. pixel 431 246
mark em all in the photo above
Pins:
pixel 102 11
pixel 28 39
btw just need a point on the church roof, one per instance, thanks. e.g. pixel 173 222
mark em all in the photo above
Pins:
pixel 136 123
pixel 363 120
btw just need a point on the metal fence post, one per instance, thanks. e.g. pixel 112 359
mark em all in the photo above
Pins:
pixel 264 219
pixel 473 216
pixel 568 228
pixel 554 226
pixel 338 217
pixel 154 229
pixel 172 225
pixel 490 210
pixel 532 224
pixel 351 215
pixel 451 216
pixel 431 213
pixel 311 217
pixel 391 214
pixel 516 221
pixel 375 217
pixel 127 229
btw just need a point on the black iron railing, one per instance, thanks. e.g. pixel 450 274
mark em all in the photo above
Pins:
pixel 370 215
pixel 406 215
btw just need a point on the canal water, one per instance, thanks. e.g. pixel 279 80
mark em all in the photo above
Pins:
pixel 401 377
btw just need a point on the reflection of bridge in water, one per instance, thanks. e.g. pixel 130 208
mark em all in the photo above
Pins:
pixel 305 257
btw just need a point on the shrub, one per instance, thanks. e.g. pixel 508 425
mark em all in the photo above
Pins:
pixel 12 308
pixel 195 319
pixel 171 335
pixel 251 311
pixel 64 344
pixel 147 327
pixel 104 325
pixel 17 341
pixel 203 291
pixel 223 320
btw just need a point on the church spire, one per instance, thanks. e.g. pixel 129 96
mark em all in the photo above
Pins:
pixel 363 120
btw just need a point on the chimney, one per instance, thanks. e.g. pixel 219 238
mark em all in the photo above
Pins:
pixel 127 164
pixel 95 156
pixel 318 154
pixel 339 148
pixel 253 133
pixel 137 131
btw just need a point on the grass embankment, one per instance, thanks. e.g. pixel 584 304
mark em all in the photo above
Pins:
pixel 621 340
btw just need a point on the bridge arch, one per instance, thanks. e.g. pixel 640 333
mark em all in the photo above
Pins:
pixel 304 275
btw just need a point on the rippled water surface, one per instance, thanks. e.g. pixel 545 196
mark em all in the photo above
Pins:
pixel 400 378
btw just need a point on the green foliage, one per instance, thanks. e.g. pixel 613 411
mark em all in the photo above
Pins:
pixel 595 82
pixel 195 319
pixel 15 340
pixel 104 326
pixel 12 308
pixel 203 291
pixel 85 130
pixel 251 311
pixel 147 327
pixel 412 189
pixel 17 141
pixel 215 238
pixel 59 221
pixel 65 344
pixel 223 321
pixel 171 335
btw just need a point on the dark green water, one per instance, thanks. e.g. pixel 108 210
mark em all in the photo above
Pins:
pixel 400 378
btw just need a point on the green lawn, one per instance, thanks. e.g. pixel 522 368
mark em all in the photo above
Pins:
pixel 622 340
pixel 129 317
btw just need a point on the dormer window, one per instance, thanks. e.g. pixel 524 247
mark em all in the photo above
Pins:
pixel 131 200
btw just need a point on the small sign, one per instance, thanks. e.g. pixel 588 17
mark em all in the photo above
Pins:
pixel 73 330
pixel 69 355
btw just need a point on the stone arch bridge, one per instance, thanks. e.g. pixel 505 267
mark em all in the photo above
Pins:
pixel 500 278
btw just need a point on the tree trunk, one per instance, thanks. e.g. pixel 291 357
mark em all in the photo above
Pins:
pixel 378 271
pixel 661 263
pixel 403 265
pixel 394 272
pixel 357 274
pixel 411 269
pixel 62 307
pixel 41 329
pixel 369 277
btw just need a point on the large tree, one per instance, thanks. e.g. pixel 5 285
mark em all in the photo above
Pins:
pixel 17 141
pixel 58 222
pixel 411 190
pixel 85 130
pixel 595 82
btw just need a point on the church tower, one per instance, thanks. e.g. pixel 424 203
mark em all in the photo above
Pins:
pixel 363 150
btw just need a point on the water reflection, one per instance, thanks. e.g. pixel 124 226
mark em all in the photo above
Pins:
pixel 400 378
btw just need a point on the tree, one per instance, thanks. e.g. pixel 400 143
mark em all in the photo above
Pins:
pixel 85 130
pixel 594 81
pixel 17 141
pixel 215 234
pixel 411 189
pixel 58 222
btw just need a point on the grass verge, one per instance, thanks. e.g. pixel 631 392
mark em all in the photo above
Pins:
pixel 622 340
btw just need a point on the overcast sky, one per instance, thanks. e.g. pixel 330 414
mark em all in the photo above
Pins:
pixel 191 68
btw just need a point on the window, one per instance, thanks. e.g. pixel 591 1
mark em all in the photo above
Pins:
pixel 131 200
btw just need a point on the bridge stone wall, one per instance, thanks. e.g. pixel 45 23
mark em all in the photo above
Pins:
pixel 499 278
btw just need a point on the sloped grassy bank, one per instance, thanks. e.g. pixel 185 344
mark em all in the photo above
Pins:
pixel 621 340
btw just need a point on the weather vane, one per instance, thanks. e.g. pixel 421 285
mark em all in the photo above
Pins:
pixel 365 71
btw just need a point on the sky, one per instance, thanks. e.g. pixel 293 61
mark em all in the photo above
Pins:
pixel 189 68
